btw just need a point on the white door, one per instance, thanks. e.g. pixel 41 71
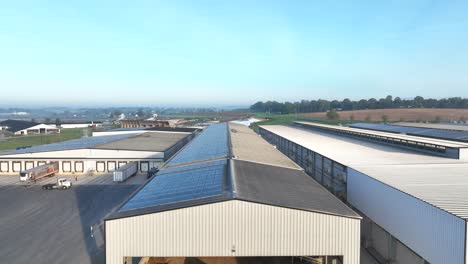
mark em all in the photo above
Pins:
pixel 4 166
pixel 66 166
pixel 100 166
pixel 29 165
pixel 78 166
pixel 111 166
pixel 144 166
pixel 16 166
pixel 154 164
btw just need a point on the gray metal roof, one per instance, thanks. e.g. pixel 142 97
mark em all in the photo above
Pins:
pixel 17 125
pixel 247 145
pixel 198 181
pixel 156 142
pixel 444 186
pixel 286 188
pixel 441 182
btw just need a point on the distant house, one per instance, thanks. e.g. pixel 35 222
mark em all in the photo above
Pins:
pixel 20 127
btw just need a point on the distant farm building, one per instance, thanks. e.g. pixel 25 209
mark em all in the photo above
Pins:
pixel 20 127
pixel 145 123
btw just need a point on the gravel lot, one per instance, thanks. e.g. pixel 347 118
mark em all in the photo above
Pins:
pixel 38 226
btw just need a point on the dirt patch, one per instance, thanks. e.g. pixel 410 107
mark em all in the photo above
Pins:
pixel 401 114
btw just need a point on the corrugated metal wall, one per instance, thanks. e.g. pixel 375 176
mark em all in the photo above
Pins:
pixel 233 228
pixel 436 235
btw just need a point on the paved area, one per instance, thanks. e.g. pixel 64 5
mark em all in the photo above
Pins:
pixel 106 179
pixel 39 226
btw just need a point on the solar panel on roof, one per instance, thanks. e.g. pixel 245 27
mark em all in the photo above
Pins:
pixel 416 131
pixel 191 166
pixel 440 133
pixel 79 143
pixel 180 186
pixel 387 128
pixel 210 144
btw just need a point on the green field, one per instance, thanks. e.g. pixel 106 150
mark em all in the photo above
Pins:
pixel 21 141
pixel 288 119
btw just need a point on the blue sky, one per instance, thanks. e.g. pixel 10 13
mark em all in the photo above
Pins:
pixel 229 52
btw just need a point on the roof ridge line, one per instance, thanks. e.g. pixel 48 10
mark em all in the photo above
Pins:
pixel 268 164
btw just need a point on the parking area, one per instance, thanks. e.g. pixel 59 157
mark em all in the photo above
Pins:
pixel 77 179
pixel 39 226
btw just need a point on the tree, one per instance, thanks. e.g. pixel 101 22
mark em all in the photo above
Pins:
pixel 258 107
pixel 321 105
pixel 47 120
pixel 58 122
pixel 372 103
pixel 347 104
pixel 388 102
pixel 418 101
pixel 397 102
pixel 333 115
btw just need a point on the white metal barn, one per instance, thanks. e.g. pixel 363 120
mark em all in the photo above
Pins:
pixel 230 194
pixel 97 154
pixel 21 127
pixel 415 202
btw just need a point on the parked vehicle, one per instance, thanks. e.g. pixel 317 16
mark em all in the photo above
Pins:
pixel 62 184
pixel 125 172
pixel 39 172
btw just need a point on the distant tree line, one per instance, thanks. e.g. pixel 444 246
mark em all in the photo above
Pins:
pixel 306 106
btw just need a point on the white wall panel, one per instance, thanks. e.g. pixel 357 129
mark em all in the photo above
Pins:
pixel 91 154
pixel 4 166
pixel 436 235
pixel 233 228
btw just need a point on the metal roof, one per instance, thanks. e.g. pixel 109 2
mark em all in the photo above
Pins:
pixel 352 151
pixel 156 142
pixel 247 145
pixel 441 182
pixel 437 142
pixel 443 185
pixel 286 188
pixel 198 181
pixel 17 125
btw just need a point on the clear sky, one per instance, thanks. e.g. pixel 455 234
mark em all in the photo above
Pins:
pixel 229 52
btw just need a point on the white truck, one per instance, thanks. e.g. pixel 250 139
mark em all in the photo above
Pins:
pixel 125 172
pixel 62 184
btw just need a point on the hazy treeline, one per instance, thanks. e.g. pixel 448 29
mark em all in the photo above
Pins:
pixel 306 106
